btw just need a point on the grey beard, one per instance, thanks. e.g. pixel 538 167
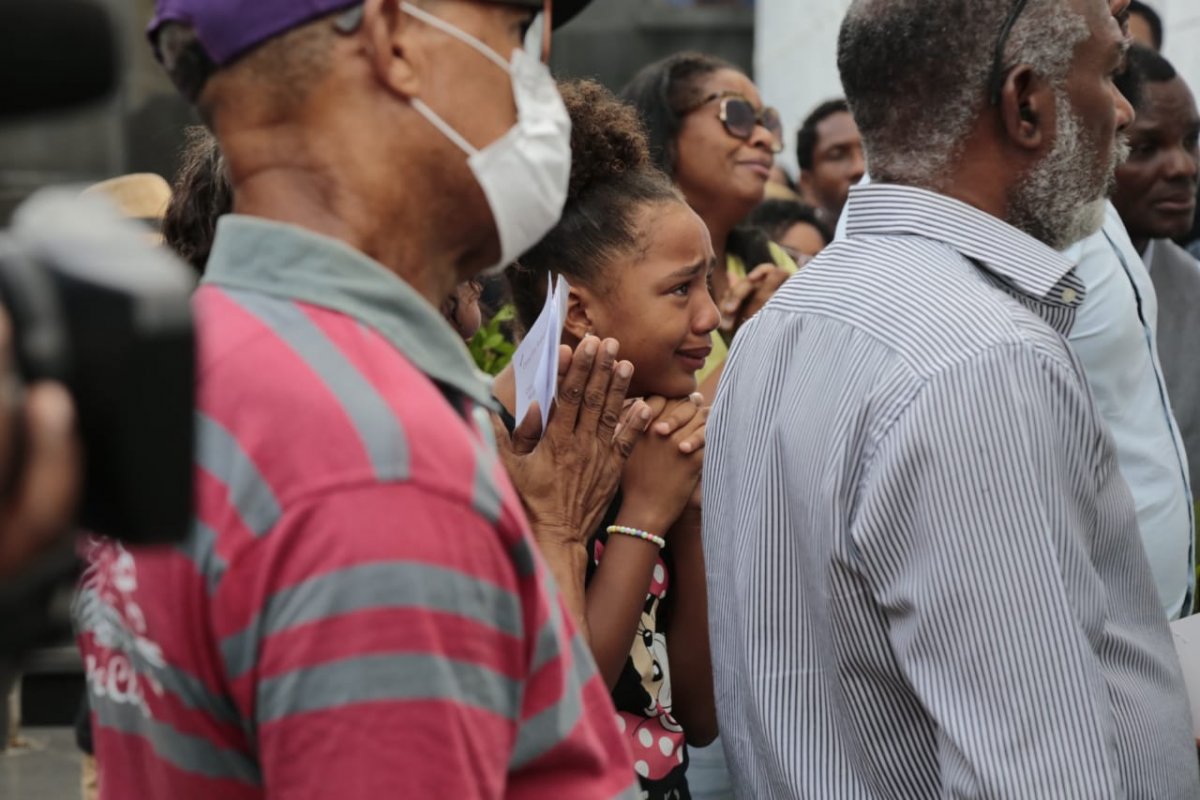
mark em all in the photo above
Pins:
pixel 1062 201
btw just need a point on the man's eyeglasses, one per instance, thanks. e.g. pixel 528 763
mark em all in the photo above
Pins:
pixel 999 71
pixel 536 38
pixel 740 118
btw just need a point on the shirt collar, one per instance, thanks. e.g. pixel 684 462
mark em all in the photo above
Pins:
pixel 1019 260
pixel 287 261
pixel 1148 256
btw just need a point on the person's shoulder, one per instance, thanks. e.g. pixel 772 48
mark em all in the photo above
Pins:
pixel 297 356
pixel 918 297
pixel 1097 257
pixel 1178 259
pixel 1176 276
pixel 1016 379
pixel 315 396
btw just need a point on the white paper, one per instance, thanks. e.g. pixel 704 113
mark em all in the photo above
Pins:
pixel 535 363
pixel 1186 633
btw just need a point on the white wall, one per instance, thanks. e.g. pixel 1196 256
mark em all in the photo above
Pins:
pixel 1181 40
pixel 795 53
pixel 795 58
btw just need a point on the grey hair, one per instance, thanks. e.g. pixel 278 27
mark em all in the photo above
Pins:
pixel 284 67
pixel 916 73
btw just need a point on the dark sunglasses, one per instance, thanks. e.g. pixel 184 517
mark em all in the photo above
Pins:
pixel 740 118
pixel 999 72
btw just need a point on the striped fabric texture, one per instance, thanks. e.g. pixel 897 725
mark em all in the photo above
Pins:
pixel 926 573
pixel 360 610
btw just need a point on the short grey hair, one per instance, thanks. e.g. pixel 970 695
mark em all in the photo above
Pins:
pixel 916 73
pixel 283 68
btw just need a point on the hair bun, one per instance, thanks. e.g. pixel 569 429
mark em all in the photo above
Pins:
pixel 607 138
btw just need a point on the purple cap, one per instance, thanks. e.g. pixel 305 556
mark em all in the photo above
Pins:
pixel 228 28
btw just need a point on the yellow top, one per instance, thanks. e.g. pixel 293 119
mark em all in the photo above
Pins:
pixel 736 270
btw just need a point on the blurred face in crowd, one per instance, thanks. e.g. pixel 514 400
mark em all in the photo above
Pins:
pixel 1156 187
pixel 802 239
pixel 1061 200
pixel 1140 30
pixel 462 309
pixel 837 164
pixel 719 173
pixel 656 302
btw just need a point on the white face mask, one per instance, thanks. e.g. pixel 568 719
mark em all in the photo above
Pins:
pixel 523 174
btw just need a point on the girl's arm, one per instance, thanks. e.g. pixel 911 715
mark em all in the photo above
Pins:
pixel 657 482
pixel 617 592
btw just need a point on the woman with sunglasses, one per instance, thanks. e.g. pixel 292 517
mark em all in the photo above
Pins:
pixel 710 132
pixel 637 259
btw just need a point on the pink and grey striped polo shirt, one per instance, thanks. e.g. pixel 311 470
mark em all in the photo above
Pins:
pixel 360 610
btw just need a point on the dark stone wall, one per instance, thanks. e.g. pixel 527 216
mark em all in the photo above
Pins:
pixel 137 129
pixel 613 39
pixel 140 128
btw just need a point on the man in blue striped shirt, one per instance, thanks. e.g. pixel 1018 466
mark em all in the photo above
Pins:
pixel 930 576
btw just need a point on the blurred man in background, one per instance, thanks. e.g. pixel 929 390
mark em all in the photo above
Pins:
pixel 1156 197
pixel 1145 25
pixel 829 149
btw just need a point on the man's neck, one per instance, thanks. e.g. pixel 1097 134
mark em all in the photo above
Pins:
pixel 303 198
pixel 980 175
pixel 1140 243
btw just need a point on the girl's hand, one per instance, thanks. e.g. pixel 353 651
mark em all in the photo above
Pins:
pixel 661 476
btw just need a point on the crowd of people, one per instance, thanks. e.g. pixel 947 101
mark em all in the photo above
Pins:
pixel 870 483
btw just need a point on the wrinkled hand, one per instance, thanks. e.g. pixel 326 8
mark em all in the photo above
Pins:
pixel 746 297
pixel 661 477
pixel 567 477
pixel 37 509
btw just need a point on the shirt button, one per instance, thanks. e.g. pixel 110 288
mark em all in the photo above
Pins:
pixel 1069 295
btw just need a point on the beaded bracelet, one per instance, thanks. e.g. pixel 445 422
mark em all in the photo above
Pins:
pixel 637 534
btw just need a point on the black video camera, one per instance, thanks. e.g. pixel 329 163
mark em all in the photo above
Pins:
pixel 99 309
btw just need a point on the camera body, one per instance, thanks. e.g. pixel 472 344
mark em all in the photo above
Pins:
pixel 96 307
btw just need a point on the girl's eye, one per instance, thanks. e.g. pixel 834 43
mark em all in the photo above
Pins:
pixel 681 290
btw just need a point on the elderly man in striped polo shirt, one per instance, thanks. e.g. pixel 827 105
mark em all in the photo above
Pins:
pixel 930 572
pixel 360 611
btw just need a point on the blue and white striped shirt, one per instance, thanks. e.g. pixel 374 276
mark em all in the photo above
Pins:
pixel 926 573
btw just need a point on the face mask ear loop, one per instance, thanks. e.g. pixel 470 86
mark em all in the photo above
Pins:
pixel 450 30
pixel 439 123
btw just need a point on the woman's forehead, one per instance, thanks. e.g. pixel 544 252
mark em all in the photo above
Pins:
pixel 678 236
pixel 728 81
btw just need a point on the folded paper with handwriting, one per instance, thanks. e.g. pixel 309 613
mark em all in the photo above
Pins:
pixel 535 364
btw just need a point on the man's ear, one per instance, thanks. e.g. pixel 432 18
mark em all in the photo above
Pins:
pixel 579 316
pixel 388 35
pixel 1027 109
